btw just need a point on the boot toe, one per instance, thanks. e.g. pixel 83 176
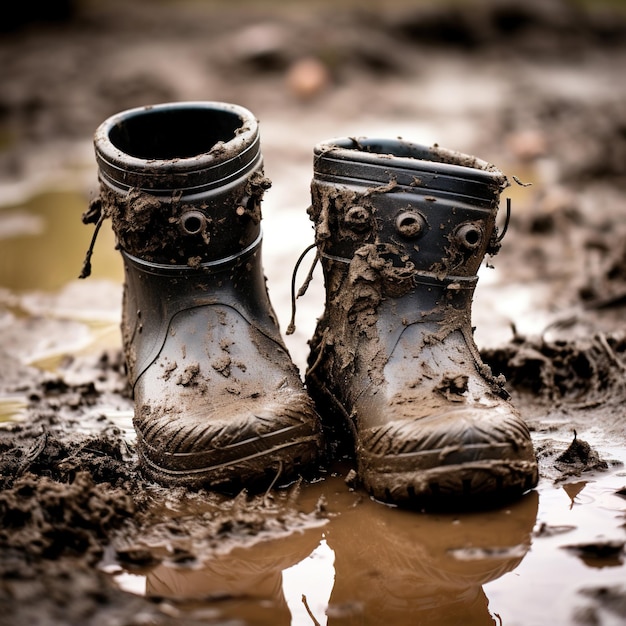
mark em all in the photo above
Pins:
pixel 235 444
pixel 458 455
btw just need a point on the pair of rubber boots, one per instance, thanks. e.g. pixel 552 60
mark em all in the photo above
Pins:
pixel 401 230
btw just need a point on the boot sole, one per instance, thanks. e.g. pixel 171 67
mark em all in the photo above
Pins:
pixel 468 485
pixel 243 466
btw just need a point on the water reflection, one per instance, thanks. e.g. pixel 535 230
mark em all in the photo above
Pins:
pixel 573 490
pixel 369 565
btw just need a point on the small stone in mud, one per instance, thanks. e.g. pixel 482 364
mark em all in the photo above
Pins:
pixel 352 479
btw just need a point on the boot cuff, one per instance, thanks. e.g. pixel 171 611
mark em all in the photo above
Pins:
pixel 185 146
pixel 395 161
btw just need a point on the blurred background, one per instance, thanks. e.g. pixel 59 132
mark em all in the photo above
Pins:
pixel 536 87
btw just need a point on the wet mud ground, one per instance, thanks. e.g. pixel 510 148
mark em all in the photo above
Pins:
pixel 536 89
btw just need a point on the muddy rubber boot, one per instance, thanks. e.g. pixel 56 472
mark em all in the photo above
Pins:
pixel 218 400
pixel 401 230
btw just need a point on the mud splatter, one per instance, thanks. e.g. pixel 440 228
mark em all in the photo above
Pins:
pixel 578 458
pixel 189 376
pixel 222 365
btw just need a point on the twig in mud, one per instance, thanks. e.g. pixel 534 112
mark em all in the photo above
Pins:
pixel 610 352
pixel 33 453
pixel 269 489
pixel 308 610
pixel 520 183
pixel 320 356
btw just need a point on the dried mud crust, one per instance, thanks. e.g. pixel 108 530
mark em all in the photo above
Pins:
pixel 148 226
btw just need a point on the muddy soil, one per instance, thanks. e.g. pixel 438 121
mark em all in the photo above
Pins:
pixel 535 88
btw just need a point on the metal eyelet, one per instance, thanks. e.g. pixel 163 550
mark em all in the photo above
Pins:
pixel 358 219
pixel 192 222
pixel 470 235
pixel 411 224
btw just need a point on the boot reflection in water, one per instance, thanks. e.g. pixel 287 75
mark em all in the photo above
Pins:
pixel 425 569
pixel 401 230
pixel 248 577
pixel 218 400
pixel 402 569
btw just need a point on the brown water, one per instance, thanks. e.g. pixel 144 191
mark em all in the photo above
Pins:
pixel 43 243
pixel 544 560
pixel 372 564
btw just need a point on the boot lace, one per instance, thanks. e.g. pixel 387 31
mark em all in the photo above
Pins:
pixel 93 215
pixel 496 239
pixel 305 285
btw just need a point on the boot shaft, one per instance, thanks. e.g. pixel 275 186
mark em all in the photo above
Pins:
pixel 428 210
pixel 182 182
pixel 401 231
pixel 155 293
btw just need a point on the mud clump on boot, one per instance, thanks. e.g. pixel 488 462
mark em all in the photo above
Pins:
pixel 151 227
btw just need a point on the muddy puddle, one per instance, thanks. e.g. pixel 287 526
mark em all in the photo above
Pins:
pixel 323 552
pixel 370 564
